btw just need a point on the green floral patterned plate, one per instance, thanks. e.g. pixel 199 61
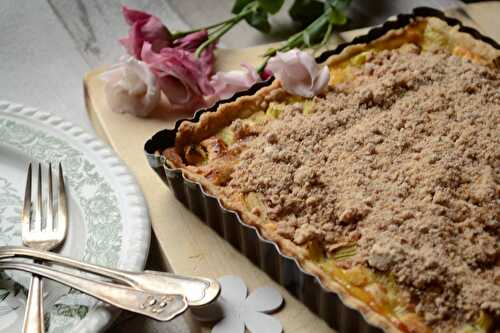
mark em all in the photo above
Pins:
pixel 108 223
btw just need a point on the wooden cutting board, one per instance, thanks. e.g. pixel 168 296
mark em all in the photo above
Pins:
pixel 187 245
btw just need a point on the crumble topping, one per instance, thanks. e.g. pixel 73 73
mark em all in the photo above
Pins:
pixel 403 160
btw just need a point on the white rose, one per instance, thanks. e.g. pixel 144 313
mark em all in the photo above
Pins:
pixel 299 73
pixel 131 87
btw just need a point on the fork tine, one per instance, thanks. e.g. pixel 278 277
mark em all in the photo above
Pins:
pixel 26 214
pixel 62 208
pixel 49 224
pixel 38 203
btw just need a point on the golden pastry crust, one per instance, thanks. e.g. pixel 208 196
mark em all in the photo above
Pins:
pixel 189 133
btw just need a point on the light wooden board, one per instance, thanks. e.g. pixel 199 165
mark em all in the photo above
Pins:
pixel 189 245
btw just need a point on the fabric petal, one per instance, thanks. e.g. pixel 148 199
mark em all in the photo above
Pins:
pixel 264 299
pixel 230 324
pixel 257 322
pixel 233 289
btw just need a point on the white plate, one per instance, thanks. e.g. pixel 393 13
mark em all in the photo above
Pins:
pixel 108 223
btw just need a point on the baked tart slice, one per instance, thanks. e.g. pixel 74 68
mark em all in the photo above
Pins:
pixel 386 186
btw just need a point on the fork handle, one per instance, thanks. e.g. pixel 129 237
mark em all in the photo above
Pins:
pixel 162 307
pixel 33 317
pixel 198 291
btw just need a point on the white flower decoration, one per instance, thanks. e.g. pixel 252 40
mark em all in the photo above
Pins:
pixel 131 87
pixel 299 73
pixel 239 311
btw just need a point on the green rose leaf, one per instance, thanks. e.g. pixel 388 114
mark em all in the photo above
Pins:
pixel 315 33
pixel 239 5
pixel 271 6
pixel 307 38
pixel 337 17
pixel 306 11
pixel 258 20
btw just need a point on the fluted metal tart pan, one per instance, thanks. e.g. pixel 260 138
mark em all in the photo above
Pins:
pixel 266 254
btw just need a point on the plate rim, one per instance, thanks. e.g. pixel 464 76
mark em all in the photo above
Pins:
pixel 101 317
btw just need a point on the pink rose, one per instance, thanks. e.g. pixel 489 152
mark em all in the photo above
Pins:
pixel 226 84
pixel 191 42
pixel 144 28
pixel 207 59
pixel 299 73
pixel 180 74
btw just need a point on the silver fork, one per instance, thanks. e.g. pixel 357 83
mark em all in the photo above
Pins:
pixel 38 237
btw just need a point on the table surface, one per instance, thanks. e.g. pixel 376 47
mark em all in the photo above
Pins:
pixel 47 46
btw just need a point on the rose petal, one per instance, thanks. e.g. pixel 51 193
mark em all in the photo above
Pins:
pixel 226 84
pixel 322 80
pixel 178 92
pixel 288 57
pixel 180 76
pixel 133 43
pixel 309 63
pixel 233 289
pixel 144 28
pixel 299 73
pixel 154 32
pixel 257 322
pixel 192 41
pixel 131 87
pixel 264 299
pixel 131 15
pixel 207 60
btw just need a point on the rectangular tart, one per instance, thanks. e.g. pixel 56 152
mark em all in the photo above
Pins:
pixel 386 187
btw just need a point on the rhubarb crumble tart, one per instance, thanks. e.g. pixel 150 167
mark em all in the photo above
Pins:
pixel 386 186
